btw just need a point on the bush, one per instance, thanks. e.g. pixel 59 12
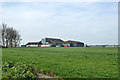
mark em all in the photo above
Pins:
pixel 18 70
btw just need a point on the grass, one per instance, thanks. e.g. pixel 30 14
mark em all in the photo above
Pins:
pixel 69 62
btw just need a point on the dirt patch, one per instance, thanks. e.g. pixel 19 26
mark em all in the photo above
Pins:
pixel 42 76
pixel 47 77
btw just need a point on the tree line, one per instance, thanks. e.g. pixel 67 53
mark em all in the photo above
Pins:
pixel 10 36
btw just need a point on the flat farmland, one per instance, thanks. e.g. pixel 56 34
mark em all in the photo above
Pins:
pixel 67 62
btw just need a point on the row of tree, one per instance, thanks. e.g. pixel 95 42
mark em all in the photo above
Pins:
pixel 10 36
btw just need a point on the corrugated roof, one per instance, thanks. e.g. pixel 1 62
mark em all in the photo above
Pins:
pixel 69 41
pixel 54 40
pixel 33 43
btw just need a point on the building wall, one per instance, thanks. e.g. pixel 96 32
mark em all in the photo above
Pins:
pixel 43 41
pixel 45 46
pixel 66 45
pixel 31 45
pixel 80 45
pixel 77 45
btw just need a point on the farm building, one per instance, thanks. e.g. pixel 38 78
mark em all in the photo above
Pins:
pixel 23 45
pixel 67 45
pixel 51 41
pixel 46 45
pixel 74 44
pixel 33 44
pixel 59 45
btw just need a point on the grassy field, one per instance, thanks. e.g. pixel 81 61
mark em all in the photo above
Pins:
pixel 72 62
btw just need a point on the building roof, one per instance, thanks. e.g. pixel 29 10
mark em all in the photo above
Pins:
pixel 74 42
pixel 34 43
pixel 54 40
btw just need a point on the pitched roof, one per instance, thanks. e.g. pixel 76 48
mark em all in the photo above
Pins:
pixel 36 43
pixel 54 40
pixel 74 42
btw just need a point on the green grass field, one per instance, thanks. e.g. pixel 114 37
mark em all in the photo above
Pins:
pixel 69 62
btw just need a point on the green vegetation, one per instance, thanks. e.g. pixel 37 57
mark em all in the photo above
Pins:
pixel 22 70
pixel 72 62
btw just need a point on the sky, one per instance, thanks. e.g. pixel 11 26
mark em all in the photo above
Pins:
pixel 88 22
pixel 59 0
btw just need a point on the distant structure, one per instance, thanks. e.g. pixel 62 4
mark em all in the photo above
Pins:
pixel 33 44
pixel 103 45
pixel 70 43
pixel 53 42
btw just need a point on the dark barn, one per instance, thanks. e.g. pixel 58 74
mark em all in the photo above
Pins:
pixel 75 43
pixel 52 41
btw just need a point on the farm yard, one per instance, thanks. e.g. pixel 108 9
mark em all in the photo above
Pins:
pixel 63 62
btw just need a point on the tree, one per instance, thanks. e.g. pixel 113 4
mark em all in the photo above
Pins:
pixel 3 33
pixel 16 38
pixel 10 36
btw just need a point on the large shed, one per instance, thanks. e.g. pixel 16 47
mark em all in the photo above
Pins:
pixel 51 41
pixel 74 43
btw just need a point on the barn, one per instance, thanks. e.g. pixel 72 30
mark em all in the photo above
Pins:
pixel 51 41
pixel 74 43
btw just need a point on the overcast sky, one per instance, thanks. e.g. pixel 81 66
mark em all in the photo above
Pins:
pixel 89 22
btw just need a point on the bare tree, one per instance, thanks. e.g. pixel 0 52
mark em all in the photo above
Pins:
pixel 3 32
pixel 10 36
pixel 16 38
